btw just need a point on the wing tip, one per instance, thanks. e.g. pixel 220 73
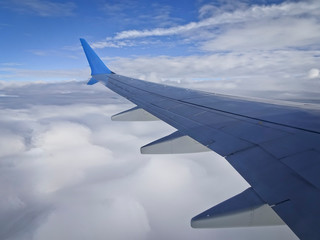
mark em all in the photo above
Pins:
pixel 96 64
pixel 92 81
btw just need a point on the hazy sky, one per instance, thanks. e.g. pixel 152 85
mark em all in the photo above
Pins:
pixel 68 172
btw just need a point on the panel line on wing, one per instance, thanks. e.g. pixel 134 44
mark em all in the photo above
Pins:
pixel 223 111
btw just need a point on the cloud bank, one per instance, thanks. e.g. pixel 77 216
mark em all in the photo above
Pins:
pixel 68 172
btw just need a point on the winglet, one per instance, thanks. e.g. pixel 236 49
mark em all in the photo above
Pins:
pixel 96 65
pixel 92 81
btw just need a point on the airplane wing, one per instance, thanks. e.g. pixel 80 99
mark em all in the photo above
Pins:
pixel 275 147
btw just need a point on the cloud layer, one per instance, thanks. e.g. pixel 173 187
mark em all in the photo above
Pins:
pixel 68 172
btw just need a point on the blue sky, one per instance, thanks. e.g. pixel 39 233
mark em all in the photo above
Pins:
pixel 45 34
pixel 40 39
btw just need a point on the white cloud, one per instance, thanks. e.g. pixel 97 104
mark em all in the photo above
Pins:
pixel 109 42
pixel 230 72
pixel 116 218
pixel 272 35
pixel 62 143
pixel 73 173
pixel 282 70
pixel 10 144
pixel 242 18
pixel 23 74
pixel 207 10
pixel 134 13
pixel 314 73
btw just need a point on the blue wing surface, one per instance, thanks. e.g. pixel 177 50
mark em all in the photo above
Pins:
pixel 274 146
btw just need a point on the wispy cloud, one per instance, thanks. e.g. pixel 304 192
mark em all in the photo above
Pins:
pixel 4 25
pixel 44 8
pixel 244 22
pixel 10 64
pixel 13 73
pixel 110 42
pixel 133 13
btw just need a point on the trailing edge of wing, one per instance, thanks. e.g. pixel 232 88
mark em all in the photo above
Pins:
pixel 174 143
pixel 134 114
pixel 96 65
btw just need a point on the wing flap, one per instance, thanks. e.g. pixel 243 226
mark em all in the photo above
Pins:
pixel 134 114
pixel 246 209
pixel 175 143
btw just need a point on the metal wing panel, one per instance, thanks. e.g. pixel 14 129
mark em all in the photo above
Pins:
pixel 292 144
pixel 306 164
pixel 294 116
pixel 294 199
pixel 301 214
pixel 254 133
pixel 183 109
pixel 270 178
pixel 215 120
